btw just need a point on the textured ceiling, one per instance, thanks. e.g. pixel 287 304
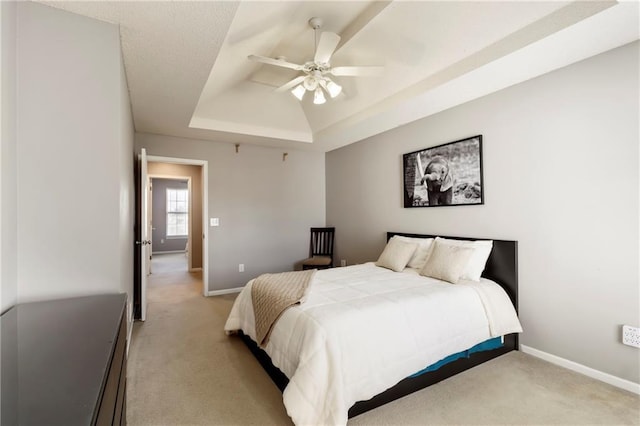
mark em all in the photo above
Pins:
pixel 189 76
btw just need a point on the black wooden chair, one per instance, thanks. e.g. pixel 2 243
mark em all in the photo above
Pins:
pixel 320 249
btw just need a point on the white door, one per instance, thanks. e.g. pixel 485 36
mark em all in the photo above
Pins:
pixel 145 241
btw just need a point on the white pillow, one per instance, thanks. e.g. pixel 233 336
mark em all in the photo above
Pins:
pixel 478 260
pixel 422 252
pixel 396 254
pixel 447 262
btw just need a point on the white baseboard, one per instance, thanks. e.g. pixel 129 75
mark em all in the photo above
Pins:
pixel 583 369
pixel 225 291
pixel 168 252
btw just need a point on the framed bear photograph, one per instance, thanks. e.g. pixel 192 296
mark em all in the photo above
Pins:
pixel 444 175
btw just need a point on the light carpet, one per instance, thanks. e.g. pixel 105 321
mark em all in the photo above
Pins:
pixel 161 263
pixel 183 370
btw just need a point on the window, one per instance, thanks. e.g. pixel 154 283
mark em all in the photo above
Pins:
pixel 177 212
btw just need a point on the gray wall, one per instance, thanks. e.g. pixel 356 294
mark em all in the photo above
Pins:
pixel 159 216
pixel 74 156
pixel 265 205
pixel 560 176
pixel 8 163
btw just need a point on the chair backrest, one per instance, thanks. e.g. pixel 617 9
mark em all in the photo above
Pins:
pixel 321 243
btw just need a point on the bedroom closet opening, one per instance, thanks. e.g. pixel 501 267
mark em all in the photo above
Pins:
pixel 172 239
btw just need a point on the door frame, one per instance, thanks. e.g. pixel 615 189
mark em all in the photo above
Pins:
pixel 205 210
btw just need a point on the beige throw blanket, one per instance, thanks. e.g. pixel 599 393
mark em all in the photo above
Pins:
pixel 272 294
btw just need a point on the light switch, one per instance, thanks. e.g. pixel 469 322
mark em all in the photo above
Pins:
pixel 214 221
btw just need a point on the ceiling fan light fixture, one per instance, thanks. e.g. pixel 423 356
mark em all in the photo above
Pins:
pixel 310 83
pixel 314 74
pixel 318 97
pixel 333 88
pixel 299 92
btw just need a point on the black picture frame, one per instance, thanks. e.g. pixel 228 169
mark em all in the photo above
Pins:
pixel 445 175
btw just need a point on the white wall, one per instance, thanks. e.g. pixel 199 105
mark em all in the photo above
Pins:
pixel 265 205
pixel 126 182
pixel 74 156
pixel 8 166
pixel 561 177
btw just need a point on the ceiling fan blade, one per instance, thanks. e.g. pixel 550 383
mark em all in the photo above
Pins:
pixel 357 71
pixel 290 85
pixel 326 46
pixel 276 62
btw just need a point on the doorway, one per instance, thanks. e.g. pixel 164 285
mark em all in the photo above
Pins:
pixel 171 218
pixel 172 203
pixel 195 250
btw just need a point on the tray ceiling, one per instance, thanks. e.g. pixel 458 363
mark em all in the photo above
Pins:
pixel 189 76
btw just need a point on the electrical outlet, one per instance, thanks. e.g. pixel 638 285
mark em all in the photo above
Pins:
pixel 241 267
pixel 343 262
pixel 631 336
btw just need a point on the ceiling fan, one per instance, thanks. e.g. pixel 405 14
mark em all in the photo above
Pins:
pixel 316 73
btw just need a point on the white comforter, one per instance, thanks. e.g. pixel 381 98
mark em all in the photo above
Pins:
pixel 364 328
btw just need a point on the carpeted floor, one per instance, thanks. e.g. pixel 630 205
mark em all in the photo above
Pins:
pixel 161 263
pixel 183 370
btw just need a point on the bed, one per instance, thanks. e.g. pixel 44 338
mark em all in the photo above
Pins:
pixel 340 353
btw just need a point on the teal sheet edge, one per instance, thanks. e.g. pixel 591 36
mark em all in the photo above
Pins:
pixel 487 345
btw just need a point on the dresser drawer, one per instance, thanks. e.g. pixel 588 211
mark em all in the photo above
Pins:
pixel 108 406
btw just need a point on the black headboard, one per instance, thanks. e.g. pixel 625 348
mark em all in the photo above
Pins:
pixel 502 264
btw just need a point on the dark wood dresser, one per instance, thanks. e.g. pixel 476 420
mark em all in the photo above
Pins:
pixel 63 362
